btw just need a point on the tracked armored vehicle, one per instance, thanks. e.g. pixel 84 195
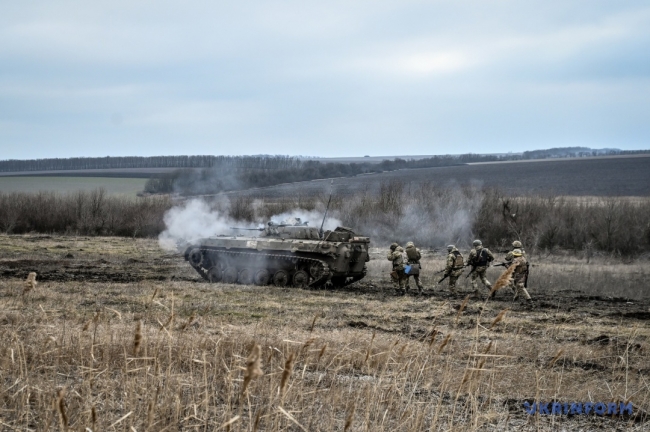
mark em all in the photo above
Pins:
pixel 286 254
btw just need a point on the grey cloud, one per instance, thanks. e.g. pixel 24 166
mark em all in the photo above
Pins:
pixel 332 78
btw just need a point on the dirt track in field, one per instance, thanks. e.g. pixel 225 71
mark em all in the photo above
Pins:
pixel 100 261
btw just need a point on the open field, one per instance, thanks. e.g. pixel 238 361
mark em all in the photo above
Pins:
pixel 112 185
pixel 104 173
pixel 621 176
pixel 139 342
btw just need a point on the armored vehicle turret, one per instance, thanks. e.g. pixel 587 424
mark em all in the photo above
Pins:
pixel 290 253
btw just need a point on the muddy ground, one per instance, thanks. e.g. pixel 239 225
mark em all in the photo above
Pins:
pixel 118 260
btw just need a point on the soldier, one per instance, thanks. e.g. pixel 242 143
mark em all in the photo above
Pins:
pixel 520 274
pixel 479 258
pixel 413 256
pixel 454 267
pixel 271 230
pixel 515 245
pixel 396 255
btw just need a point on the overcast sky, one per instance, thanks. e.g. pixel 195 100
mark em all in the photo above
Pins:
pixel 321 78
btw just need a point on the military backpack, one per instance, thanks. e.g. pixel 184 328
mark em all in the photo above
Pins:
pixel 413 254
pixel 458 260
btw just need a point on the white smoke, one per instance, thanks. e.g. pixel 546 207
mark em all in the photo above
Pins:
pixel 433 218
pixel 314 217
pixel 191 221
pixel 196 219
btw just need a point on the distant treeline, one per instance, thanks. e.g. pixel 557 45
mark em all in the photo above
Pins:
pixel 109 162
pixel 269 162
pixel 213 174
pixel 227 178
pixel 564 152
pixel 223 178
pixel 430 215
pixel 85 213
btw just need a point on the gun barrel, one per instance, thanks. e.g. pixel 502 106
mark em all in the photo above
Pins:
pixel 247 229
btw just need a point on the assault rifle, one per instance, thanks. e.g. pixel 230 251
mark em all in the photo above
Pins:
pixel 442 271
pixel 471 271
pixel 503 264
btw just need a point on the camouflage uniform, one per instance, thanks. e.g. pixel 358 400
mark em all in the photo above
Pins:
pixel 479 258
pixel 454 267
pixel 396 255
pixel 516 245
pixel 520 274
pixel 413 256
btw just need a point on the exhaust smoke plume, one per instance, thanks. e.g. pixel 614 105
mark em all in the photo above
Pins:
pixel 429 215
pixel 191 221
pixel 196 219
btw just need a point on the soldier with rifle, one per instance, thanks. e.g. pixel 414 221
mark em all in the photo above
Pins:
pixel 479 258
pixel 454 267
pixel 516 245
pixel 520 275
pixel 413 256
pixel 396 256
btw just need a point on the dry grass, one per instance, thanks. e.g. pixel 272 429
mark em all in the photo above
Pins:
pixel 108 356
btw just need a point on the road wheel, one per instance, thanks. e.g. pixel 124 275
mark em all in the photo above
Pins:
pixel 280 278
pixel 300 279
pixel 262 277
pixel 195 257
pixel 316 270
pixel 230 275
pixel 246 276
pixel 214 274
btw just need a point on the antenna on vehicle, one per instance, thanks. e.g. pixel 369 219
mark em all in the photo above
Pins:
pixel 320 232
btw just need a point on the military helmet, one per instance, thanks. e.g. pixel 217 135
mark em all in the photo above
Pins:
pixel 516 244
pixel 400 249
pixel 451 248
pixel 477 243
pixel 410 244
pixel 517 252
pixel 393 246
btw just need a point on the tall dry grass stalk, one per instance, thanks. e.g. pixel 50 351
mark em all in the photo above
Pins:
pixel 30 283
pixel 482 360
pixel 313 323
pixel 499 317
pixel 189 322
pixel 505 278
pixel 137 338
pixel 369 348
pixel 462 307
pixel 321 353
pixel 349 417
pixel 60 408
pixel 286 373
pixel 444 343
pixel 253 367
pixel 555 358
